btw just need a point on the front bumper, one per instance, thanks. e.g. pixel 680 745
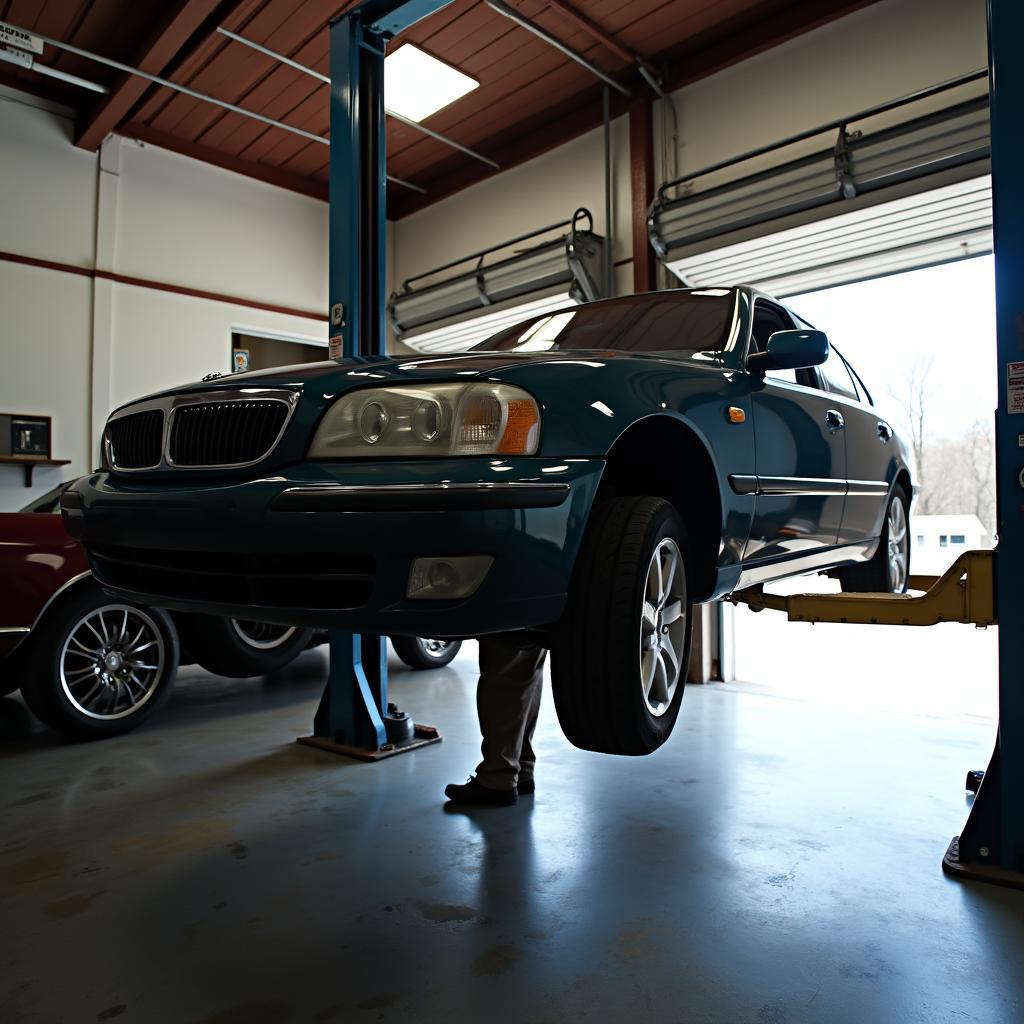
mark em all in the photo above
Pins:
pixel 330 545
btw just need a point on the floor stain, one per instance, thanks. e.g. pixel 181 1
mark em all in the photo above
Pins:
pixel 447 913
pixel 112 1011
pixel 428 881
pixel 253 1013
pixel 238 849
pixel 496 960
pixel 378 1002
pixel 71 906
pixel 38 868
pixel 35 798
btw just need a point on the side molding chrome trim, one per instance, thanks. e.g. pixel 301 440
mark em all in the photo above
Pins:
pixel 805 486
pixel 14 629
pixel 420 497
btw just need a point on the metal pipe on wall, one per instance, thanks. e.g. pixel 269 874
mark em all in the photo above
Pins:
pixel 609 283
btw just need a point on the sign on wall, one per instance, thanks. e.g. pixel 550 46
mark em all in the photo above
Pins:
pixel 19 38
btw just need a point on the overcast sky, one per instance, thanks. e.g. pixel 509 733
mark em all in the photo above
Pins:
pixel 882 326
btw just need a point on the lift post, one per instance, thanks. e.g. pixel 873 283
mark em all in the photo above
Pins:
pixel 991 846
pixel 354 717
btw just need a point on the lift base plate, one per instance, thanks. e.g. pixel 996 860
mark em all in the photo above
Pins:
pixel 974 872
pixel 423 736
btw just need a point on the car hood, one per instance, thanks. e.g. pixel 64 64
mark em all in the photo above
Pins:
pixel 333 378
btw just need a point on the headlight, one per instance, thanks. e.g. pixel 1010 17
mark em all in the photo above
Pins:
pixel 430 419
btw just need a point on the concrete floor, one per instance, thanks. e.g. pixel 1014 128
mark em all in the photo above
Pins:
pixel 777 862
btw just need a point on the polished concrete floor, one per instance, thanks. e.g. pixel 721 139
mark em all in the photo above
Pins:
pixel 777 862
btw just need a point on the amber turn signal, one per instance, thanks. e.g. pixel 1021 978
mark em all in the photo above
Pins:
pixel 736 415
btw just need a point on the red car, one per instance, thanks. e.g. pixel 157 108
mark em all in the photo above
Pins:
pixel 90 665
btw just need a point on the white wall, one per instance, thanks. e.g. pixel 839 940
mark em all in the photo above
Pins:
pixel 73 347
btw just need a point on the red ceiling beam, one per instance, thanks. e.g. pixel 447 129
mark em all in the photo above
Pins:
pixel 164 44
pixel 581 21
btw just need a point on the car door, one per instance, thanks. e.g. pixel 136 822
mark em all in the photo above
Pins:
pixel 869 454
pixel 800 454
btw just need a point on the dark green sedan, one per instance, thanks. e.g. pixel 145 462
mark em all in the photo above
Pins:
pixel 585 476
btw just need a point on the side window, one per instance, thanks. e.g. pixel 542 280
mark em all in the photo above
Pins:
pixel 767 320
pixel 836 376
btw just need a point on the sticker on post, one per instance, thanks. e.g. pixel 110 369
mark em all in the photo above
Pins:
pixel 1015 388
pixel 18 37
pixel 335 347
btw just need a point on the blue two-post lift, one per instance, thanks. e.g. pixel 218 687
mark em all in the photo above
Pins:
pixel 353 713
pixel 353 717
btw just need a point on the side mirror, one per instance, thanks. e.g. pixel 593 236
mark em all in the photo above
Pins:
pixel 790 350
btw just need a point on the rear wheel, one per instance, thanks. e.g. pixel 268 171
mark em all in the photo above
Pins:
pixel 238 648
pixel 99 667
pixel 888 570
pixel 424 652
pixel 620 653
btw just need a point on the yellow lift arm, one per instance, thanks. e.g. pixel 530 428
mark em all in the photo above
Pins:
pixel 964 593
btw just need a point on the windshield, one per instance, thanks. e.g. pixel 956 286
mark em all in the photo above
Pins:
pixel 681 322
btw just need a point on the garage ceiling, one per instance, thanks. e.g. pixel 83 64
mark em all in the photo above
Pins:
pixel 532 97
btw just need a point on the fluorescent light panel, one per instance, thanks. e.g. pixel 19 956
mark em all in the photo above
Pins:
pixel 417 85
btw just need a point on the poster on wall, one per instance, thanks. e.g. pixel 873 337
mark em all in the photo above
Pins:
pixel 241 362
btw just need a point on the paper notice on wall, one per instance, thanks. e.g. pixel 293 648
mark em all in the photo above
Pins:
pixel 1015 388
pixel 18 37
pixel 335 346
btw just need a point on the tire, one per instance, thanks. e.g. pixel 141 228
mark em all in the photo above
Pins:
pixel 99 667
pixel 238 649
pixel 616 675
pixel 888 570
pixel 422 652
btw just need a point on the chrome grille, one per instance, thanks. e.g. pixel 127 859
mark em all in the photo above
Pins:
pixel 225 433
pixel 136 441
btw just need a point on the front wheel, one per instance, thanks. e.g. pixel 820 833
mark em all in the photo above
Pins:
pixel 423 652
pixel 888 570
pixel 99 667
pixel 620 653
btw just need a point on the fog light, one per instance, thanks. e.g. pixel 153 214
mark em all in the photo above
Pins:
pixel 446 578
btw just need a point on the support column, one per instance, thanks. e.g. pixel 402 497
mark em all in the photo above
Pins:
pixel 641 174
pixel 103 291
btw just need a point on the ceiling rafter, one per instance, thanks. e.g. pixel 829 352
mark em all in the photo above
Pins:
pixel 163 45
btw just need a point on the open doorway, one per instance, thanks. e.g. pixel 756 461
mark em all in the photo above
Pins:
pixel 251 350
pixel 924 344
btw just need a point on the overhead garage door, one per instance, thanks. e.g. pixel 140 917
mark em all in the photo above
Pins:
pixel 899 187
pixel 451 308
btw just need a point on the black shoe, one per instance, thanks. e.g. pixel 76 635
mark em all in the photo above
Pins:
pixel 527 787
pixel 473 793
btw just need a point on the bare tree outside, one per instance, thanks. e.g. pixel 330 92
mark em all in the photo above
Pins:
pixel 915 397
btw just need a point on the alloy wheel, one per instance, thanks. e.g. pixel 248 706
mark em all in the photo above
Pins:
pixel 435 648
pixel 112 661
pixel 663 627
pixel 899 542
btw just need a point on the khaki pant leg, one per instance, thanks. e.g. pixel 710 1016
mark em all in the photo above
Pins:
pixel 507 700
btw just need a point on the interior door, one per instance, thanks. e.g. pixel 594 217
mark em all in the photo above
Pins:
pixel 800 454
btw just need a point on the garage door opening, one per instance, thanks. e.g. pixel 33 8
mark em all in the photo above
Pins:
pixel 265 351
pixel 924 344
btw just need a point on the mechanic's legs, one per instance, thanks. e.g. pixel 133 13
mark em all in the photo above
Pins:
pixel 507 700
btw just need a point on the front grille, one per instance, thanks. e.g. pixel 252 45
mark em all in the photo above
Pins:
pixel 134 442
pixel 271 579
pixel 225 433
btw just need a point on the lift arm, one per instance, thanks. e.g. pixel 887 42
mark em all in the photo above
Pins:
pixel 964 593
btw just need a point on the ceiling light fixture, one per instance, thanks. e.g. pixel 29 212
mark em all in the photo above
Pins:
pixel 417 85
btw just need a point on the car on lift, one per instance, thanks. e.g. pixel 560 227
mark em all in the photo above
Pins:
pixel 584 476
pixel 89 665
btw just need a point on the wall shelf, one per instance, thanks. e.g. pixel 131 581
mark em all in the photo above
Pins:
pixel 29 463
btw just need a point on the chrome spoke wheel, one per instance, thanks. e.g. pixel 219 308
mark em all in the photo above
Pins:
pixel 898 545
pixel 663 626
pixel 112 661
pixel 264 636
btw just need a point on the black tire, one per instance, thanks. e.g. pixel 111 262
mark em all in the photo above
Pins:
pixel 878 575
pixel 597 663
pixel 422 652
pixel 135 649
pixel 239 649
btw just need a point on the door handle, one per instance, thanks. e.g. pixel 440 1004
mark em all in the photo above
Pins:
pixel 834 420
pixel 884 432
